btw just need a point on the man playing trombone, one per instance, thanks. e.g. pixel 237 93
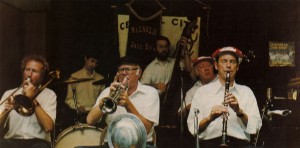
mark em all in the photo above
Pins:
pixel 238 107
pixel 135 98
pixel 29 130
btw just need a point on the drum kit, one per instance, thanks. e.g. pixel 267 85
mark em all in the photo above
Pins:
pixel 122 127
pixel 79 134
pixel 293 88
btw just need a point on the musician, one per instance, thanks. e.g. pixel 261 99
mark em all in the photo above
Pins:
pixel 30 131
pixel 243 114
pixel 140 100
pixel 85 92
pixel 158 73
pixel 203 69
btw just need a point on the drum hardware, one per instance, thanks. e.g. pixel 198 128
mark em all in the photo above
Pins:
pixel 295 82
pixel 100 82
pixel 267 112
pixel 76 80
pixel 73 81
pixel 79 135
pixel 293 88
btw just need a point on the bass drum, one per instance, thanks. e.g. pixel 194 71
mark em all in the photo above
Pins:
pixel 79 135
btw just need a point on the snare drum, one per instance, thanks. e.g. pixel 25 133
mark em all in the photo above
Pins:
pixel 79 135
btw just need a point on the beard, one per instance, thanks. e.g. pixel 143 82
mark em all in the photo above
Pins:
pixel 163 56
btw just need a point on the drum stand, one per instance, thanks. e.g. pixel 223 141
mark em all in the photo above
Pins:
pixel 77 118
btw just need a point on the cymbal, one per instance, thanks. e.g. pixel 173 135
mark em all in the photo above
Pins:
pixel 100 82
pixel 76 80
pixel 295 82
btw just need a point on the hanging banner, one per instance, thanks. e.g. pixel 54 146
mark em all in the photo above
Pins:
pixel 171 27
pixel 281 54
pixel 141 35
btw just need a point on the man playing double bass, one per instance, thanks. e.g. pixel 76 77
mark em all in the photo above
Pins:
pixel 159 72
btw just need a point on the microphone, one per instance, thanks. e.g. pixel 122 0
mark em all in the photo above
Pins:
pixel 196 111
pixel 196 130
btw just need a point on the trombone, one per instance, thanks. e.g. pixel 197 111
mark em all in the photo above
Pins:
pixel 23 105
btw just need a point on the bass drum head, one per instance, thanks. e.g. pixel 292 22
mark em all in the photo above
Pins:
pixel 78 135
pixel 126 131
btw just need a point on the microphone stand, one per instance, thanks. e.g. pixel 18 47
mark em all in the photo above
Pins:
pixel 265 110
pixel 181 114
pixel 196 128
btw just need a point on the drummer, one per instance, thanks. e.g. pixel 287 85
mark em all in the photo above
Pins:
pixel 84 92
pixel 140 100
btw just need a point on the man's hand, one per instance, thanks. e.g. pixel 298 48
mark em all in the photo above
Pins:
pixel 9 104
pixel 161 86
pixel 29 89
pixel 124 99
pixel 231 100
pixel 81 109
pixel 217 111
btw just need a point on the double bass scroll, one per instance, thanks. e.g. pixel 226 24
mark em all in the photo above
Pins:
pixel 187 31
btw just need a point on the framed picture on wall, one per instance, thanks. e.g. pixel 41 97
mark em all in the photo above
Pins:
pixel 281 54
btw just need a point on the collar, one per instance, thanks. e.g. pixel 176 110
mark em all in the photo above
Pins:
pixel 218 87
pixel 199 83
pixel 139 89
pixel 85 72
pixel 156 61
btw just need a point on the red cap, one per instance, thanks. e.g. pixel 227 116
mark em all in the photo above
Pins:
pixel 234 50
pixel 202 58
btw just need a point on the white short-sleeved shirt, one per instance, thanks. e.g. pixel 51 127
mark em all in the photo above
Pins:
pixel 213 94
pixel 21 127
pixel 158 71
pixel 145 99
pixel 191 92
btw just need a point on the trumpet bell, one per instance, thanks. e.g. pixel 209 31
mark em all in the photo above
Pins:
pixel 126 131
pixel 23 105
pixel 109 105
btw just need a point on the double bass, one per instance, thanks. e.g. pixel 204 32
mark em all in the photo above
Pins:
pixel 171 98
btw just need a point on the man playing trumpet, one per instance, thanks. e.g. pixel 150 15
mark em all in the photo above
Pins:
pixel 32 131
pixel 140 100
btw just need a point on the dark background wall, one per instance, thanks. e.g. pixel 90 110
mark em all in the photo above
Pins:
pixel 66 28
pixel 75 26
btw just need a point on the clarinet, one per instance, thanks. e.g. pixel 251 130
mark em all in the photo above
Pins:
pixel 224 142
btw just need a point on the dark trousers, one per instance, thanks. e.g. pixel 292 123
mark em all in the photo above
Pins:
pixel 24 143
pixel 232 143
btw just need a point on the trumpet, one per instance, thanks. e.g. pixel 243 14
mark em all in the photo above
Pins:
pixel 224 142
pixel 110 103
pixel 23 105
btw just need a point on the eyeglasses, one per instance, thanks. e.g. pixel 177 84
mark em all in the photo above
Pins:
pixel 127 69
